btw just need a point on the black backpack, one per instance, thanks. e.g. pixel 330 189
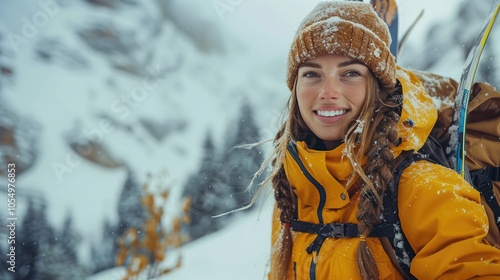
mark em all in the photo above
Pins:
pixel 485 113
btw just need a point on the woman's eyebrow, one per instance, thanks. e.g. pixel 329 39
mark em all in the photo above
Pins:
pixel 349 62
pixel 310 64
pixel 342 64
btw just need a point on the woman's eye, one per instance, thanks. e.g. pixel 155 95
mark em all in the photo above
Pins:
pixel 352 74
pixel 310 75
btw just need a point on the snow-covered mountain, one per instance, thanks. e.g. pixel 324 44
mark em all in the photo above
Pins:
pixel 93 89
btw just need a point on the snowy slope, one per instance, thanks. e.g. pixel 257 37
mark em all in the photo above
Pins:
pixel 76 93
pixel 239 251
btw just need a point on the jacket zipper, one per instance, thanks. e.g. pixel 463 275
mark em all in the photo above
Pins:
pixel 295 270
pixel 312 269
pixel 321 190
pixel 322 201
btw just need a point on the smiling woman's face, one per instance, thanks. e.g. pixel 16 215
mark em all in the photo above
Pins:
pixel 331 90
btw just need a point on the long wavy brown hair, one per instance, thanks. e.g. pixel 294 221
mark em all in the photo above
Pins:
pixel 372 135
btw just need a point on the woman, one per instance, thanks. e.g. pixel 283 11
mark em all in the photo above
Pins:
pixel 352 112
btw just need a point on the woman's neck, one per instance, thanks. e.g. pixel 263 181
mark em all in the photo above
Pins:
pixel 332 144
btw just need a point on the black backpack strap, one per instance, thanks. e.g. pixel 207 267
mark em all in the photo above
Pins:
pixel 323 231
pixel 400 245
pixel 334 230
pixel 482 180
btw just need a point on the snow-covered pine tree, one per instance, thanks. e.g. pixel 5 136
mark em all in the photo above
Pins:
pixel 203 188
pixel 59 259
pixel 239 163
pixel 103 252
pixel 222 182
pixel 69 240
pixel 65 263
pixel 130 211
pixel 35 235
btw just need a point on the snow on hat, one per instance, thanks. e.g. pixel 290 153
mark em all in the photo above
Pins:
pixel 348 28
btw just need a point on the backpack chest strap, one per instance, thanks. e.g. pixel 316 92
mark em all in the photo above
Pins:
pixel 336 230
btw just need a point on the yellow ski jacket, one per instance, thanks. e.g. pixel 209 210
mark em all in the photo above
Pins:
pixel 440 213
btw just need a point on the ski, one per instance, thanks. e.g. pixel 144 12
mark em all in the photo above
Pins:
pixel 388 11
pixel 457 130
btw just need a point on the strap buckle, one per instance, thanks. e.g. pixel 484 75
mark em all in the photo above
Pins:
pixel 335 230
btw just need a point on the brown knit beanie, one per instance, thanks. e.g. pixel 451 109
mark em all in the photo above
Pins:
pixel 344 27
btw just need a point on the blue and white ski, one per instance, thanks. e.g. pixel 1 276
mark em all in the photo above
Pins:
pixel 388 11
pixel 457 130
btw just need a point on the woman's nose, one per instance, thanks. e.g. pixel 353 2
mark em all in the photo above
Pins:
pixel 330 90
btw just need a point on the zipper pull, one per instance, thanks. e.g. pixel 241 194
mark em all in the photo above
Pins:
pixel 315 257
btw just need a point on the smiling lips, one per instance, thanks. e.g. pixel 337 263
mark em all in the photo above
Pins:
pixel 331 113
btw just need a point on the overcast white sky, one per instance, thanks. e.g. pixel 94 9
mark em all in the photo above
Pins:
pixel 284 16
pixel 287 13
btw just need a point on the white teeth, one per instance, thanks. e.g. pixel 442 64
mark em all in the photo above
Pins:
pixel 331 113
